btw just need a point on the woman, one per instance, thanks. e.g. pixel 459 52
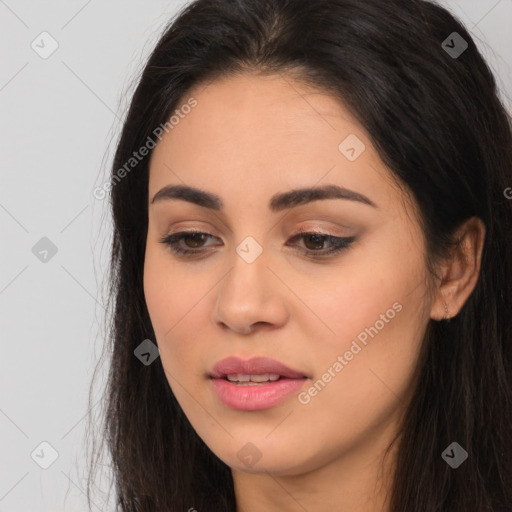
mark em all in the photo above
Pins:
pixel 311 224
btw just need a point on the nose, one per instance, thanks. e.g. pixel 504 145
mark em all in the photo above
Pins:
pixel 250 297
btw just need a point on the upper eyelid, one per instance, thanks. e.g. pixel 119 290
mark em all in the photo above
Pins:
pixel 309 231
pixel 303 227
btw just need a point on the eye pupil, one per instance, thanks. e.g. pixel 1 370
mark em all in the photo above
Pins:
pixel 317 241
pixel 196 237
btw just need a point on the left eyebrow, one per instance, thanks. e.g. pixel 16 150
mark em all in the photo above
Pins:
pixel 278 202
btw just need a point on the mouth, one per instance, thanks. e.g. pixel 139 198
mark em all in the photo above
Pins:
pixel 257 370
pixel 241 379
pixel 254 384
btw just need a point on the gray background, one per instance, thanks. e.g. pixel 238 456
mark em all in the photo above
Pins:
pixel 59 119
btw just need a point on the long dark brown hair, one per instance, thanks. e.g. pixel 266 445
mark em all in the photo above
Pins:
pixel 437 122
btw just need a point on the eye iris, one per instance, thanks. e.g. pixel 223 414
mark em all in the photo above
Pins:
pixel 318 240
pixel 196 237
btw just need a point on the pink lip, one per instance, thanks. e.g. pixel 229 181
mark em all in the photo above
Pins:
pixel 260 396
pixel 253 366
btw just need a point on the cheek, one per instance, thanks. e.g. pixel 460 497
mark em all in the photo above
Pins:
pixel 364 370
pixel 160 290
pixel 351 300
pixel 358 388
pixel 168 293
pixel 157 291
pixel 172 304
pixel 177 305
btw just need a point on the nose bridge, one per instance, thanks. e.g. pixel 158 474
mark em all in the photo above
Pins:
pixel 248 294
pixel 246 281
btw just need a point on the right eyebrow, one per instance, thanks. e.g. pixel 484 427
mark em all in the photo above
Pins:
pixel 278 202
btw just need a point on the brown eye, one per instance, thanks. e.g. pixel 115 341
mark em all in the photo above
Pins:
pixel 315 241
pixel 191 243
pixel 186 243
pixel 197 239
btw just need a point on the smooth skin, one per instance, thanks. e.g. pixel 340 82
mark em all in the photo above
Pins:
pixel 249 138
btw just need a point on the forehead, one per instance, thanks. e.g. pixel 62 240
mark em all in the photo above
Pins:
pixel 253 109
pixel 252 134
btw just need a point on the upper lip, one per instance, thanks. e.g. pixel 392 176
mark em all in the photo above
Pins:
pixel 254 366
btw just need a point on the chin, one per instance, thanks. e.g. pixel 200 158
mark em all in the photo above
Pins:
pixel 250 459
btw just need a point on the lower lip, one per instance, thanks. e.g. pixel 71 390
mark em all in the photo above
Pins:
pixel 255 398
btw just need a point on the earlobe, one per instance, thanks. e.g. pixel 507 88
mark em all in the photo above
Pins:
pixel 459 274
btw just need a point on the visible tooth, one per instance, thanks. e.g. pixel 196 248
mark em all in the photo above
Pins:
pixel 260 378
pixel 264 377
pixel 240 377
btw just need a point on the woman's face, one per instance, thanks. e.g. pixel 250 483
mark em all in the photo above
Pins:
pixel 350 323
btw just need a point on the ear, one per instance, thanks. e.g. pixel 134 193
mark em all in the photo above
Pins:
pixel 459 274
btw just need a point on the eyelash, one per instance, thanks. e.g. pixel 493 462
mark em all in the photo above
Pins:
pixel 340 243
